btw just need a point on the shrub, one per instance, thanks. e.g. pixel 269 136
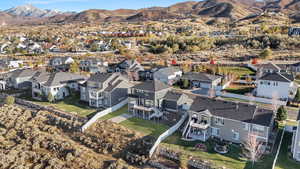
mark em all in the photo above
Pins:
pixel 281 113
pixel 10 100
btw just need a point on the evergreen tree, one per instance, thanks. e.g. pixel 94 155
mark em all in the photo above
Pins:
pixel 50 98
pixel 297 97
pixel 281 113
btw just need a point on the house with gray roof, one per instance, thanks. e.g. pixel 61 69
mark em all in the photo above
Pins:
pixel 104 90
pixel 61 63
pixel 202 80
pixel 276 85
pixel 93 65
pixel 20 79
pixel 146 99
pixel 168 75
pixel 175 101
pixel 58 84
pixel 226 120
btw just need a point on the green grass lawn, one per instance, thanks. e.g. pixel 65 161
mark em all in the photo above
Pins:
pixel 69 104
pixel 239 90
pixel 239 71
pixel 119 112
pixel 284 159
pixel 232 160
pixel 145 126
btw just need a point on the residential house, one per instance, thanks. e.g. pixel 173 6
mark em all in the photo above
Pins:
pixel 131 65
pixel 228 121
pixel 58 84
pixel 93 65
pixel 296 143
pixel 276 85
pixel 10 63
pixel 104 90
pixel 146 99
pixel 61 63
pixel 176 101
pixel 168 75
pixel 294 31
pixel 266 68
pixel 295 68
pixel 20 79
pixel 202 80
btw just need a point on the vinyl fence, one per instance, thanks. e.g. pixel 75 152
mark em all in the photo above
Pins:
pixel 103 113
pixel 250 98
pixel 167 133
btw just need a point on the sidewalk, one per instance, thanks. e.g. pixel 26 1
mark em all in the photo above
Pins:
pixel 121 118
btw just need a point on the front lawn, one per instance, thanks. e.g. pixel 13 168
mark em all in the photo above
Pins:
pixel 239 89
pixel 285 160
pixel 238 71
pixel 119 112
pixel 232 160
pixel 69 104
pixel 146 127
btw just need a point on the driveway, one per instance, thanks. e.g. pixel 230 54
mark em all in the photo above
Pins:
pixel 121 118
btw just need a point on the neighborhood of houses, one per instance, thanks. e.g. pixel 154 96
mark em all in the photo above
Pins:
pixel 166 94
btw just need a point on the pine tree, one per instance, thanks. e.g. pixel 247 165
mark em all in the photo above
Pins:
pixel 297 97
pixel 281 113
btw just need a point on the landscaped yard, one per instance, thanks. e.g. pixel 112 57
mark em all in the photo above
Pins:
pixel 232 160
pixel 239 71
pixel 69 104
pixel 239 89
pixel 284 159
pixel 145 126
pixel 119 112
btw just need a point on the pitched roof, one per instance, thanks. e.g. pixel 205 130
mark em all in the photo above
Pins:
pixel 231 110
pixel 279 77
pixel 100 77
pixel 269 66
pixel 204 77
pixel 168 70
pixel 23 73
pixel 58 78
pixel 171 95
pixel 154 86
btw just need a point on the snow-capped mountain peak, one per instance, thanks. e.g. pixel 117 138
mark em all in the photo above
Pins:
pixel 31 11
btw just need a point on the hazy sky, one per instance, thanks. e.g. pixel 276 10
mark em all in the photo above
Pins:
pixel 79 5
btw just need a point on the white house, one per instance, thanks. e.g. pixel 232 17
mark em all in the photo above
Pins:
pixel 280 85
pixel 58 84
pixel 168 75
pixel 296 144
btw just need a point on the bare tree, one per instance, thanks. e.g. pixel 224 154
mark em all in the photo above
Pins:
pixel 252 148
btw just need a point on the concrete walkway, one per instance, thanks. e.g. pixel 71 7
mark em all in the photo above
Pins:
pixel 121 118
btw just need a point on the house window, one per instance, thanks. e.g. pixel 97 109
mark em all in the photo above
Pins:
pixel 215 131
pixel 236 135
pixel 258 129
pixel 219 121
pixel 246 126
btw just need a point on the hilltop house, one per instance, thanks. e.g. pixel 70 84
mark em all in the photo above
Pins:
pixel 280 85
pixel 146 99
pixel 295 68
pixel 58 84
pixel 296 143
pixel 168 75
pixel 227 120
pixel 93 65
pixel 202 80
pixel 10 63
pixel 61 63
pixel 105 89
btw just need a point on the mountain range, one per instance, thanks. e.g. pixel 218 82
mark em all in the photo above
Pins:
pixel 233 9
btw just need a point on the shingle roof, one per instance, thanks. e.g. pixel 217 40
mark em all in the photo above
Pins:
pixel 269 66
pixel 171 95
pixel 100 77
pixel 231 110
pixel 23 73
pixel 204 77
pixel 280 77
pixel 154 86
pixel 168 70
pixel 55 79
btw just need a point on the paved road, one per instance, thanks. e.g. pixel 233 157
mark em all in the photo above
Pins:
pixel 121 118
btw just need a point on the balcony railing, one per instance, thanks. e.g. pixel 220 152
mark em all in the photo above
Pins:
pixel 200 125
